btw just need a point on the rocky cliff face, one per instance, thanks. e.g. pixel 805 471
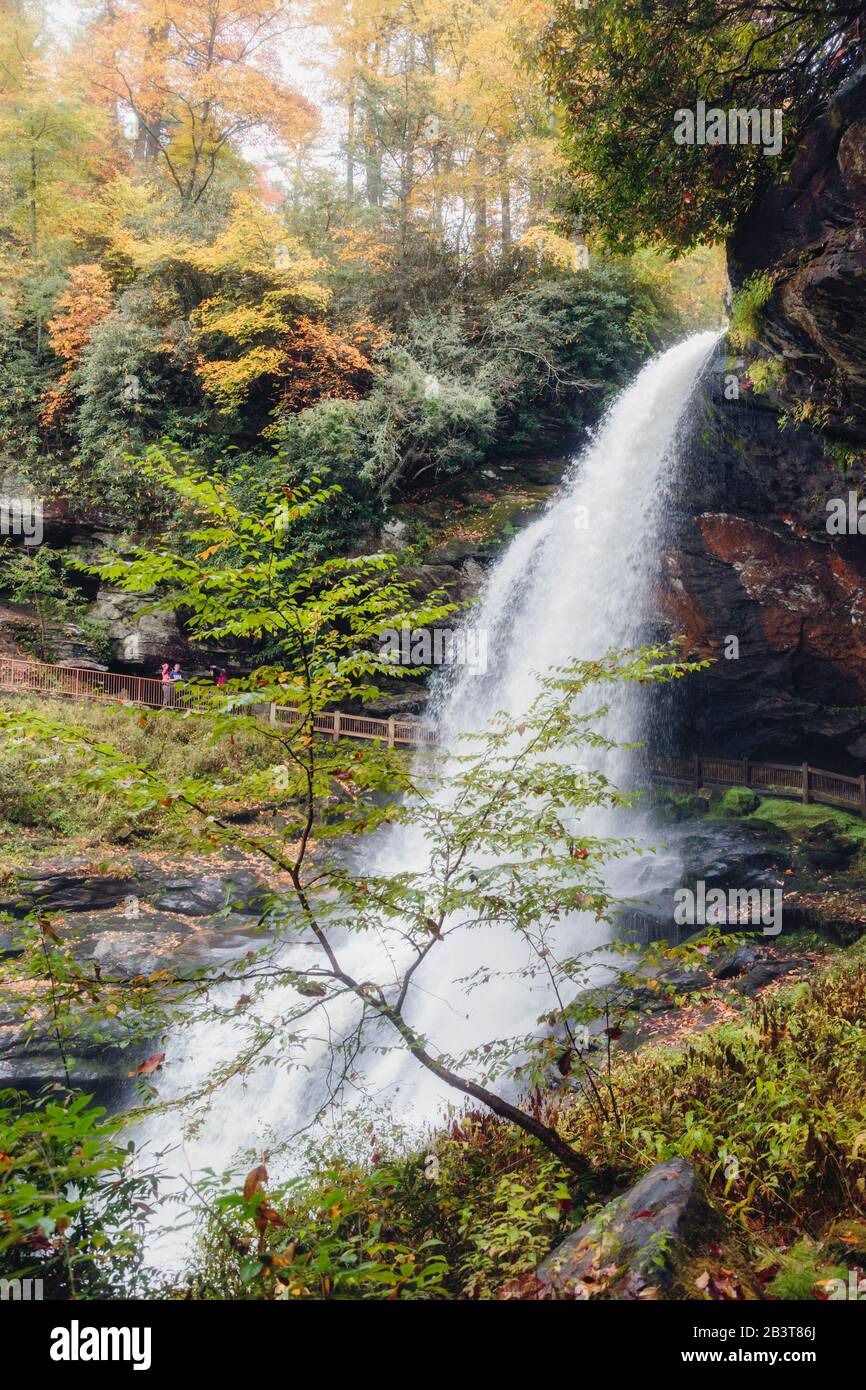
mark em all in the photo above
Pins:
pixel 752 575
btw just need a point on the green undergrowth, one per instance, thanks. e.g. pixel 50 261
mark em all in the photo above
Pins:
pixel 791 816
pixel 770 1108
pixel 776 819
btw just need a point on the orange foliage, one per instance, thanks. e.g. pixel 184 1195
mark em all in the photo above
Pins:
pixel 321 363
pixel 84 304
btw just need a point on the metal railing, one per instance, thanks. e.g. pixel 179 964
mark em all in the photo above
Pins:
pixel 798 781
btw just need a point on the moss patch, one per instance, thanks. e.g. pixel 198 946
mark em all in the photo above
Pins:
pixel 793 816
pixel 739 801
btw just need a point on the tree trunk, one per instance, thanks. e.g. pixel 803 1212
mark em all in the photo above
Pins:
pixel 504 200
pixel 350 149
pixel 33 211
pixel 550 1138
pixel 480 230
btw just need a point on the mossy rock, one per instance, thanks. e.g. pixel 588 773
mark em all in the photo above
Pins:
pixel 739 801
pixel 661 1239
pixel 795 818
pixel 671 806
pixel 823 846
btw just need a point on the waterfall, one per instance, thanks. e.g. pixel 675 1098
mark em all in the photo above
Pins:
pixel 573 583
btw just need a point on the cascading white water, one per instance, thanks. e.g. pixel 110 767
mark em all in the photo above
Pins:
pixel 572 584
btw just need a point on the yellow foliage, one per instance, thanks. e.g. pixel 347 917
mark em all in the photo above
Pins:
pixel 254 240
pixel 229 381
pixel 695 283
pixel 552 249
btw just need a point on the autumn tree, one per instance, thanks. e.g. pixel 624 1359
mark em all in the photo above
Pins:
pixel 258 303
pixel 446 125
pixel 83 304
pixel 51 148
pixel 200 80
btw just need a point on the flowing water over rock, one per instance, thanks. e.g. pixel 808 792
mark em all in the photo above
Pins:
pixel 572 584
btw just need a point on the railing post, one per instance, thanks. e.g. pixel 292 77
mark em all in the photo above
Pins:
pixel 805 784
pixel 272 713
pixel 863 797
pixel 336 725
pixel 697 772
pixel 391 732
pixel 745 772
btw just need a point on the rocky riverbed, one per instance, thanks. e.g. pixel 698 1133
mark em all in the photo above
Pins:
pixel 120 923
pixel 129 918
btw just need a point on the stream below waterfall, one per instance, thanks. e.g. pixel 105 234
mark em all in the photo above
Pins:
pixel 573 584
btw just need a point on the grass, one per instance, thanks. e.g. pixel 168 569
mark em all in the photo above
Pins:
pixel 38 816
pixel 747 306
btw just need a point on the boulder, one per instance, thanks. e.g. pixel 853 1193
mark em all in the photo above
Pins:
pixel 140 639
pixel 663 1238
pixel 193 896
pixel 72 888
pixel 125 947
pixel 685 981
pixel 739 801
pixel 766 972
pixel 96 1058
pixel 730 964
pixel 824 846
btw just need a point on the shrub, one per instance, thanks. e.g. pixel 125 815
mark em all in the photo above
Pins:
pixel 416 423
pixel 132 390
pixel 746 309
pixel 621 70
pixel 326 441
pixel 781 1093
pixel 537 363
pixel 72 1207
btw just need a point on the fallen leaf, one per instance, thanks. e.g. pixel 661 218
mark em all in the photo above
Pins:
pixel 148 1065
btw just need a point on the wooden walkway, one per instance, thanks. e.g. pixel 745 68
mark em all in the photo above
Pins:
pixel 82 683
pixel 798 781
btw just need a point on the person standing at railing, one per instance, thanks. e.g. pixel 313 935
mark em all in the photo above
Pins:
pixel 175 676
pixel 167 688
